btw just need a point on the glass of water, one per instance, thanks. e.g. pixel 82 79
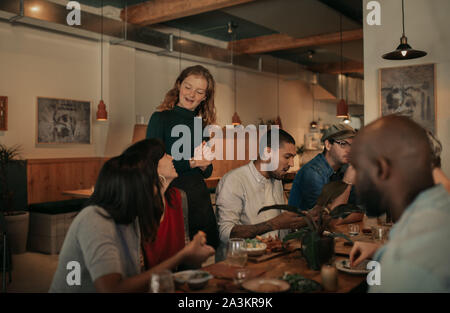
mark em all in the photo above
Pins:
pixel 353 229
pixel 380 233
pixel 236 252
pixel 240 275
pixel 162 282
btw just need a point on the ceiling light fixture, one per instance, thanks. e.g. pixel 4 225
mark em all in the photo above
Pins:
pixel 235 119
pixel 404 50
pixel 342 107
pixel 102 115
pixel 278 119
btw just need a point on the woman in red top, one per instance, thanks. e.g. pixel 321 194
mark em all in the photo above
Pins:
pixel 170 238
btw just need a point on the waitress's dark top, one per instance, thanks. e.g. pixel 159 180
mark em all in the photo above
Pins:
pixel 191 180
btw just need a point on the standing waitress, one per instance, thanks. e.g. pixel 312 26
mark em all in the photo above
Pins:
pixel 192 96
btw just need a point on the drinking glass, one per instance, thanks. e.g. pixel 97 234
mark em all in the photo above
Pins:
pixel 353 229
pixel 236 252
pixel 379 233
pixel 240 275
pixel 162 282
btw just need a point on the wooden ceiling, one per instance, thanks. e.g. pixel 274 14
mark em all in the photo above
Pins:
pixel 289 28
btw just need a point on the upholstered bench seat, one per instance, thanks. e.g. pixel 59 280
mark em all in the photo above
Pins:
pixel 49 223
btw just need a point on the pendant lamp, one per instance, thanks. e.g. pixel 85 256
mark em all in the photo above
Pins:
pixel 404 50
pixel 235 119
pixel 278 119
pixel 102 115
pixel 313 124
pixel 342 107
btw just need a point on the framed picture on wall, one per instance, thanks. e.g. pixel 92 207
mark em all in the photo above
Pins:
pixel 63 121
pixel 410 91
pixel 3 113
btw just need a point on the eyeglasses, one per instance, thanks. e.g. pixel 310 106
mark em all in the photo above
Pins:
pixel 343 144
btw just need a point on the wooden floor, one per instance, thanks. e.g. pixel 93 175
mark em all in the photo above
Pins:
pixel 33 272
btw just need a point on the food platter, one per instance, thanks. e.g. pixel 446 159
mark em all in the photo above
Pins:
pixel 344 266
pixel 266 285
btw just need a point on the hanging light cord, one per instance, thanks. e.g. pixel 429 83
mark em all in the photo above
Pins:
pixel 312 92
pixel 342 59
pixel 101 57
pixel 403 18
pixel 233 39
pixel 179 46
pixel 278 89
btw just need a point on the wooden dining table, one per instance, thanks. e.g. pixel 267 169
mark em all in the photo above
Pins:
pixel 78 193
pixel 289 263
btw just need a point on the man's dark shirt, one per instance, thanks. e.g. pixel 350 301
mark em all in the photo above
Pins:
pixel 311 179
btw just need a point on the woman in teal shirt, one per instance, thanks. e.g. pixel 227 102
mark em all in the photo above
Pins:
pixel 192 96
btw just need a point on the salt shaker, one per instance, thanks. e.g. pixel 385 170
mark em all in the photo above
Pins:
pixel 329 277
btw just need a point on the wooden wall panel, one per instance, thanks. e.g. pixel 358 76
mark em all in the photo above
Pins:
pixel 221 167
pixel 48 178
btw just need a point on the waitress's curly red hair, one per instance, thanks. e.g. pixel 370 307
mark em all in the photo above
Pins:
pixel 206 109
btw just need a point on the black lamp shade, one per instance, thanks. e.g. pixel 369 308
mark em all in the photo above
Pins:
pixel 404 52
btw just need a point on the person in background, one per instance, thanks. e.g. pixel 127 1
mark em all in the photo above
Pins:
pixel 392 158
pixel 242 192
pixel 331 165
pixel 192 96
pixel 129 203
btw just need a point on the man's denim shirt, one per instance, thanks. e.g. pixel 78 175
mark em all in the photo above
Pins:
pixel 309 182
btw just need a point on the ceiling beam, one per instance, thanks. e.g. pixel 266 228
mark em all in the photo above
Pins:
pixel 269 43
pixel 159 11
pixel 335 68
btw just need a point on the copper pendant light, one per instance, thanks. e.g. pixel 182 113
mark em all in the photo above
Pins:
pixel 404 50
pixel 102 115
pixel 342 107
pixel 235 119
pixel 278 119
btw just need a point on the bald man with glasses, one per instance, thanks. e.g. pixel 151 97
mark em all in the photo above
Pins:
pixel 331 165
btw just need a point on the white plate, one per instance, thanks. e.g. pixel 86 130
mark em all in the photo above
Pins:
pixel 344 266
pixel 263 285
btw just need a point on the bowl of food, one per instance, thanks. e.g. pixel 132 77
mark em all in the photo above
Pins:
pixel 254 247
pixel 181 278
pixel 198 279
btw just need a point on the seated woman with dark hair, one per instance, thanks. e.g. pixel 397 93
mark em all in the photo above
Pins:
pixel 124 214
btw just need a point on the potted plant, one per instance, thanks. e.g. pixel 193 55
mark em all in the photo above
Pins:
pixel 317 237
pixel 16 220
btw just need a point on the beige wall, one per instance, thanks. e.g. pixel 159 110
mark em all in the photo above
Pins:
pixel 35 63
pixel 256 94
pixel 427 28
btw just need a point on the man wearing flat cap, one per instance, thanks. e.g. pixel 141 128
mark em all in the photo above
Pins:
pixel 331 165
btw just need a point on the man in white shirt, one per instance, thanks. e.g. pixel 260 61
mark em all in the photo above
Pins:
pixel 242 192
